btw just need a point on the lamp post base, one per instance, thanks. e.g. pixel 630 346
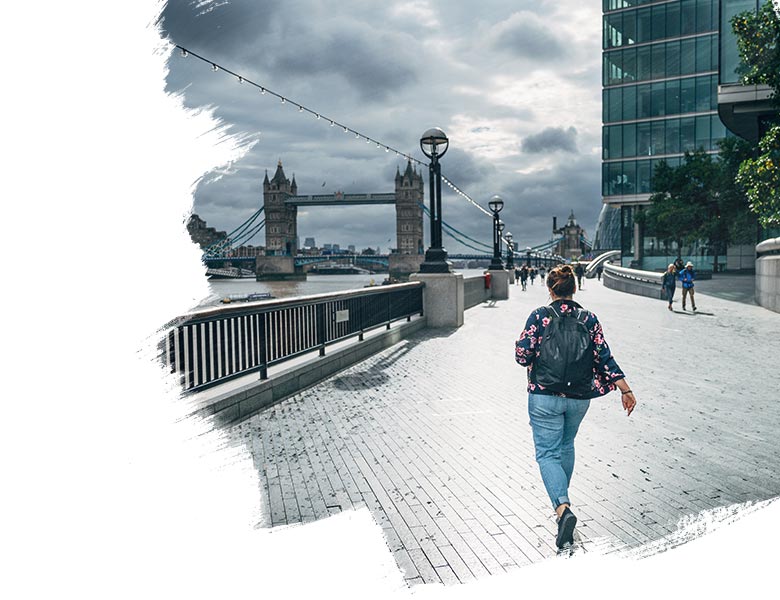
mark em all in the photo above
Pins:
pixel 435 261
pixel 496 265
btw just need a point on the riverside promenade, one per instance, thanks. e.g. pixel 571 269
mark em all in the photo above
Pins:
pixel 432 435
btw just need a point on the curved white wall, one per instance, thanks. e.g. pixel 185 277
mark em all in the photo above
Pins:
pixel 768 275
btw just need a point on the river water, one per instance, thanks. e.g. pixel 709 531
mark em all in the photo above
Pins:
pixel 314 284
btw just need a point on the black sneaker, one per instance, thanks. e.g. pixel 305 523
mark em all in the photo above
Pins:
pixel 566 524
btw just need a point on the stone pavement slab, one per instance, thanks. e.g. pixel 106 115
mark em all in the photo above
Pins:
pixel 432 435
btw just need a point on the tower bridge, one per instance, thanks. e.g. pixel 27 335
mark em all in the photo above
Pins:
pixel 281 201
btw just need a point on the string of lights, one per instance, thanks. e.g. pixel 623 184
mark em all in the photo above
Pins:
pixel 301 108
pixel 333 123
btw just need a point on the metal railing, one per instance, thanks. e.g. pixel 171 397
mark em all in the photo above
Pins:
pixel 210 346
pixel 600 260
pixel 634 274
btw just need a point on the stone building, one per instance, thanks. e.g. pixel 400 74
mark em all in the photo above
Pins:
pixel 281 229
pixel 203 235
pixel 408 210
pixel 572 245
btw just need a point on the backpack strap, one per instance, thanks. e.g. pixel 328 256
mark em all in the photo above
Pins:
pixel 552 312
pixel 580 313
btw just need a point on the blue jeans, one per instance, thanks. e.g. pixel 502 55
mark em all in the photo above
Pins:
pixel 554 422
pixel 669 294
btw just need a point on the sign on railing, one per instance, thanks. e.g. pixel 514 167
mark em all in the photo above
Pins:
pixel 214 345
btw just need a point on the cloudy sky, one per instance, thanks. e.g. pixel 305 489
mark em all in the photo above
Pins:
pixel 514 84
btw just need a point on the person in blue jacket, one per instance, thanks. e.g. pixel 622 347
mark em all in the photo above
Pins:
pixel 687 277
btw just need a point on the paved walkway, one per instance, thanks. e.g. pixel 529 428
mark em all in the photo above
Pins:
pixel 740 287
pixel 432 435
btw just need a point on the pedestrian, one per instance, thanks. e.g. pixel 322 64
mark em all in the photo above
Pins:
pixel 668 284
pixel 524 277
pixel 517 276
pixel 579 271
pixel 541 272
pixel 687 276
pixel 599 271
pixel 532 274
pixel 679 265
pixel 555 415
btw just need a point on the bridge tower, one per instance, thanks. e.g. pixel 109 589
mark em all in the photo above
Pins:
pixel 571 246
pixel 281 223
pixel 408 210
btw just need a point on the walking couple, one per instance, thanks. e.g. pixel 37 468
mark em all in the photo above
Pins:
pixel 568 363
pixel 686 275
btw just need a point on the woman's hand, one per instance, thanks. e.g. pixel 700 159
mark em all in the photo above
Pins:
pixel 629 402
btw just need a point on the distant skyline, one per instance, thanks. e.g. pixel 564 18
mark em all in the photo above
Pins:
pixel 516 87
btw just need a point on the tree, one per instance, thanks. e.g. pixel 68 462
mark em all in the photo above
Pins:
pixel 761 179
pixel 758 40
pixel 685 206
pixel 733 202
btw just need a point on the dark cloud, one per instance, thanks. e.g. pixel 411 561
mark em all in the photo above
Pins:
pixel 272 42
pixel 229 28
pixel 551 139
pixel 390 71
pixel 357 57
pixel 531 38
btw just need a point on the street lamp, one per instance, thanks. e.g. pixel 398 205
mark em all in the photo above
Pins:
pixel 510 262
pixel 434 144
pixel 495 205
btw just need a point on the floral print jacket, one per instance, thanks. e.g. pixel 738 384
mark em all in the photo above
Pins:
pixel 605 370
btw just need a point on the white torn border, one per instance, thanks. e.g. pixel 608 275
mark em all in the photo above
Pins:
pixel 108 491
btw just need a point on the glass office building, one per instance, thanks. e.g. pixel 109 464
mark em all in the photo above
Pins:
pixel 745 109
pixel 660 99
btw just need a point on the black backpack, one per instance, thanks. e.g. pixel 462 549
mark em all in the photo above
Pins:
pixel 565 361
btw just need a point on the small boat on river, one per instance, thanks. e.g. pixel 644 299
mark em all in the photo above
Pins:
pixel 247 297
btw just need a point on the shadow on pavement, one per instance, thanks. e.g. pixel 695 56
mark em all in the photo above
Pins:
pixel 374 376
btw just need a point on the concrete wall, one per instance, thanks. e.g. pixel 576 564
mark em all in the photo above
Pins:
pixel 474 291
pixel 443 298
pixel 768 275
pixel 739 258
pixel 633 281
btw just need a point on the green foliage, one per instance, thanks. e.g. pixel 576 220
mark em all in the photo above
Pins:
pixel 758 40
pixel 760 177
pixel 684 206
pixel 733 205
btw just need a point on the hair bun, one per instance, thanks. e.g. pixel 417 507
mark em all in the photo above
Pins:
pixel 567 270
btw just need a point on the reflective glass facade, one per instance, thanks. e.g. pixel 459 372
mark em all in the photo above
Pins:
pixel 660 89
pixel 729 55
pixel 660 76
pixel 608 233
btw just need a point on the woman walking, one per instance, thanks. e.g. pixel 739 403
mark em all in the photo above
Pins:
pixel 668 283
pixel 556 415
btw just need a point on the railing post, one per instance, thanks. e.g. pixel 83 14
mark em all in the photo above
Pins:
pixel 263 355
pixel 321 327
pixel 361 303
pixel 389 309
